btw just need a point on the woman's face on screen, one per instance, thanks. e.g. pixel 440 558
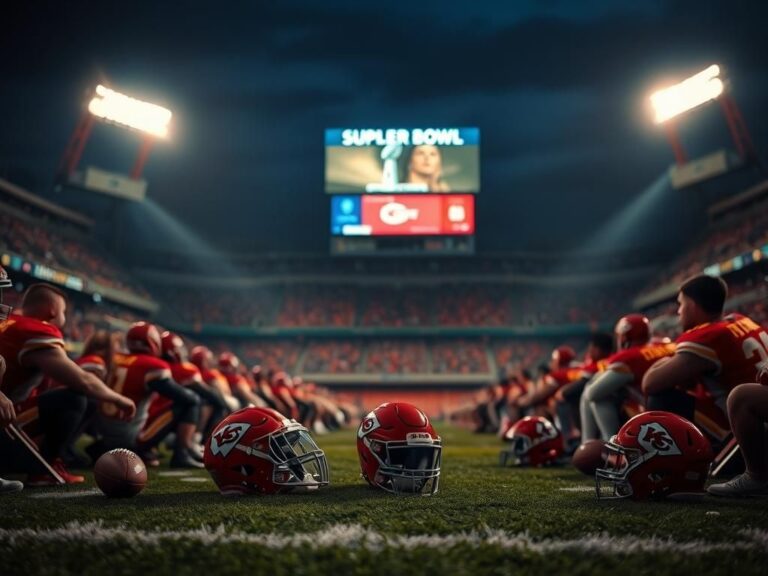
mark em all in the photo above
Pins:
pixel 425 160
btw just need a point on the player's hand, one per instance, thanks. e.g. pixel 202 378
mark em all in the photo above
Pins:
pixel 126 406
pixel 7 413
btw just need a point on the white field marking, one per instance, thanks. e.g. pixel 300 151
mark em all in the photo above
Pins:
pixel 195 479
pixel 577 489
pixel 356 537
pixel 172 473
pixel 73 494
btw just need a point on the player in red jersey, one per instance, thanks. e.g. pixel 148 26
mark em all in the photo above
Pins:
pixel 564 369
pixel 713 355
pixel 33 347
pixel 7 412
pixel 621 379
pixel 202 357
pixel 568 397
pixel 161 418
pixel 139 374
pixel 229 366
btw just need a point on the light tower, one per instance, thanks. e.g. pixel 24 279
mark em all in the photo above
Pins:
pixel 670 103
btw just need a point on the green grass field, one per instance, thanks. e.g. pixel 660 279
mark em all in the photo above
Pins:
pixel 485 520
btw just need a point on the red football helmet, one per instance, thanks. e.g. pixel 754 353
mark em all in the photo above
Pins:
pixel 534 441
pixel 201 357
pixel 399 450
pixel 562 356
pixel 173 347
pixel 228 362
pixel 631 330
pixel 143 338
pixel 654 454
pixel 5 282
pixel 260 451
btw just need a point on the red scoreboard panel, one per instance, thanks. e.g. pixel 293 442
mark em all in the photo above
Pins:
pixel 414 215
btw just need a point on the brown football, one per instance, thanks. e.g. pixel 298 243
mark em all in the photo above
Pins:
pixel 589 457
pixel 120 473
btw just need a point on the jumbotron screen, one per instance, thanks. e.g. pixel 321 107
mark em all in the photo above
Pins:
pixel 402 160
pixel 403 215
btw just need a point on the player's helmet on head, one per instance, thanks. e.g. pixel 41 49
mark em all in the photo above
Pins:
pixel 533 441
pixel 228 362
pixel 5 282
pixel 201 357
pixel 399 450
pixel 563 356
pixel 654 454
pixel 260 451
pixel 632 329
pixel 173 347
pixel 143 338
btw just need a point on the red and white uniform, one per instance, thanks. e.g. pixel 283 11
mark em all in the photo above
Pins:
pixel 130 376
pixel 735 346
pixel 636 361
pixel 94 364
pixel 20 335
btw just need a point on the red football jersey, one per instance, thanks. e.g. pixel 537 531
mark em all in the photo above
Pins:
pixel 94 364
pixel 735 346
pixel 638 359
pixel 130 376
pixel 184 374
pixel 564 376
pixel 237 382
pixel 20 335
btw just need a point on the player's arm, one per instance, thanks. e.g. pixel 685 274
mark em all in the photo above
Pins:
pixel 546 389
pixel 682 370
pixel 55 363
pixel 7 413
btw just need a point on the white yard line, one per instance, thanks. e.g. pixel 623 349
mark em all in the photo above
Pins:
pixel 358 537
pixel 71 494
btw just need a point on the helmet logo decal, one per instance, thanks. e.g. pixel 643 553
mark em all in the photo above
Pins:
pixel 655 438
pixel 225 439
pixel 368 425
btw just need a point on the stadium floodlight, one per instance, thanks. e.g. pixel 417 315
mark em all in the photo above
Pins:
pixel 690 93
pixel 121 109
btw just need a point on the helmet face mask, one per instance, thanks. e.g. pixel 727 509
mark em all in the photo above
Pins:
pixel 399 450
pixel 407 468
pixel 299 462
pixel 612 482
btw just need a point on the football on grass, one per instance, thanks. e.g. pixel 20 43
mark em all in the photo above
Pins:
pixel 589 457
pixel 120 473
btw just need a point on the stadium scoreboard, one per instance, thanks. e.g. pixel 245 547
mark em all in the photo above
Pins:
pixel 402 190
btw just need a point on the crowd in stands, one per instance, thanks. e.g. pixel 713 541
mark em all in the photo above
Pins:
pixel 336 306
pixel 42 241
pixel 460 357
pixel 317 306
pixel 739 233
pixel 333 357
pixel 396 357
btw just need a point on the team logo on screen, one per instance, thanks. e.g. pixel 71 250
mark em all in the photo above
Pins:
pixel 396 214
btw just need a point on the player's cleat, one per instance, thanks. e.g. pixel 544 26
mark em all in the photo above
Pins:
pixel 40 480
pixel 150 457
pixel 183 460
pixel 741 485
pixel 9 486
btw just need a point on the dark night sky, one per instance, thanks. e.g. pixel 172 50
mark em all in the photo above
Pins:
pixel 557 88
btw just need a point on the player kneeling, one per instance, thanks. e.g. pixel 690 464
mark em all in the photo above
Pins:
pixel 399 450
pixel 139 375
pixel 260 451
